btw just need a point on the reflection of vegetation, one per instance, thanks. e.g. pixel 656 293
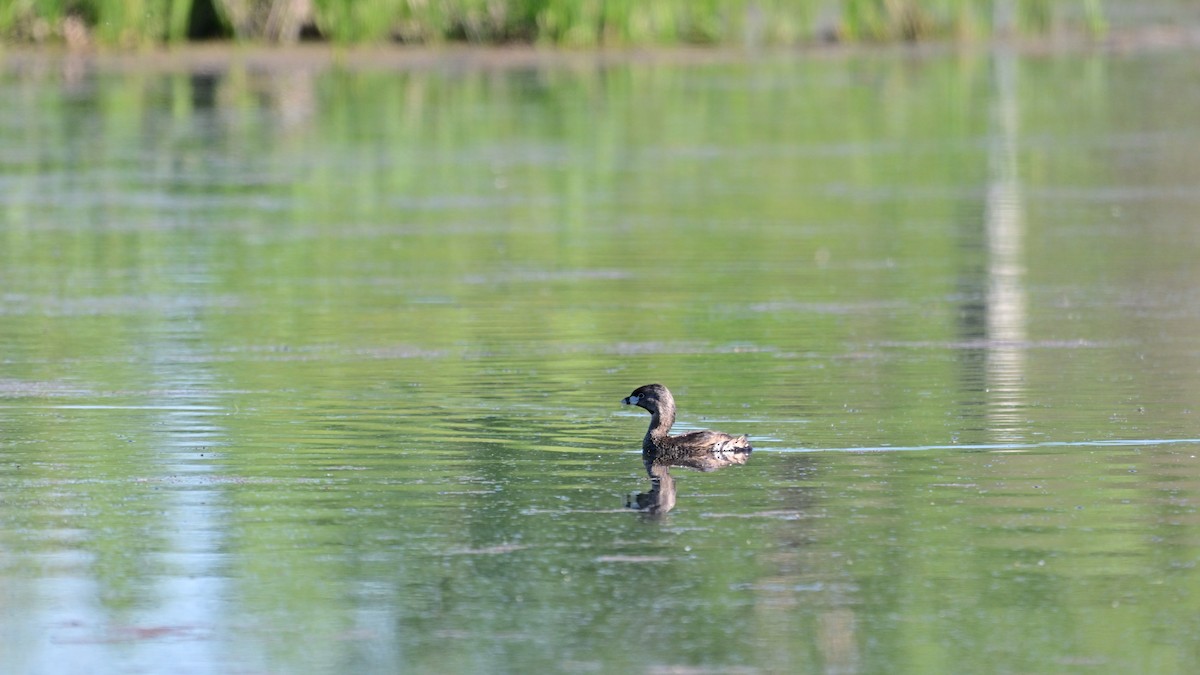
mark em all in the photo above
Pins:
pixel 417 296
pixel 561 22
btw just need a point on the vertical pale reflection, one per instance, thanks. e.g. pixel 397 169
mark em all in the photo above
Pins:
pixel 1005 292
pixel 188 594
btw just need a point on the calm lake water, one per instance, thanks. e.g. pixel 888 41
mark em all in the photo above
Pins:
pixel 318 370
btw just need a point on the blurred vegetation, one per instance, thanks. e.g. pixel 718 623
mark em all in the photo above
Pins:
pixel 570 23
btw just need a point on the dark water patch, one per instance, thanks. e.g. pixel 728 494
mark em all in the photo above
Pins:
pixel 498 549
pixel 548 276
pixel 867 307
pixel 10 388
pixel 772 515
pixel 58 306
pixel 81 634
pixel 1081 343
pixel 632 559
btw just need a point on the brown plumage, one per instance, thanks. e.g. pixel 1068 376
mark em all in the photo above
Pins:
pixel 704 450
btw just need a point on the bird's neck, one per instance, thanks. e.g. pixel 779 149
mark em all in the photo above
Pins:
pixel 660 423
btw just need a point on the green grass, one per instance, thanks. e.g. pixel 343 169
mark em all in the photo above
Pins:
pixel 568 23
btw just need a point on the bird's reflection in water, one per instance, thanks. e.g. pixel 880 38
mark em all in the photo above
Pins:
pixel 660 498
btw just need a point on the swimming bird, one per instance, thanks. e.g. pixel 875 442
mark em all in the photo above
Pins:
pixel 705 450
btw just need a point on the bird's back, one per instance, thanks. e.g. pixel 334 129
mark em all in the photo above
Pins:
pixel 705 450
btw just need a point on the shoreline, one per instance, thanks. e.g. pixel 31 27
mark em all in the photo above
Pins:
pixel 220 56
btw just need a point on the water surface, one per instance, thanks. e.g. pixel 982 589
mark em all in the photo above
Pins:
pixel 318 370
